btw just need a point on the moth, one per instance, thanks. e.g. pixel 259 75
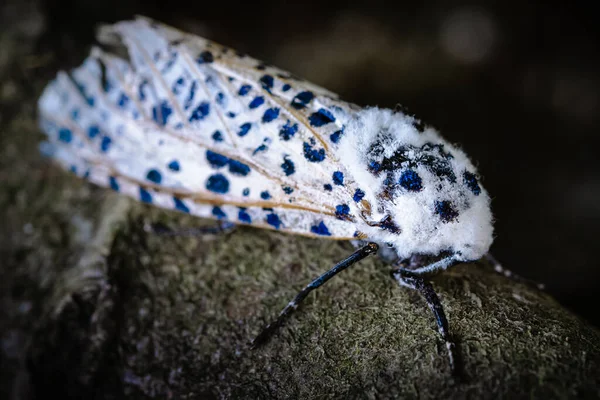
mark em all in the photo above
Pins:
pixel 184 123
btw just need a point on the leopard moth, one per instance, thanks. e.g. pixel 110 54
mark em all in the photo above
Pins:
pixel 187 124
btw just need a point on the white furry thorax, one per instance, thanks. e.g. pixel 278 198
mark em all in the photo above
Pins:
pixel 425 187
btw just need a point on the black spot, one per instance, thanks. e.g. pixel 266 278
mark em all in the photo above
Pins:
pixel 411 181
pixel 470 180
pixel 265 195
pixel 302 99
pixel 328 187
pixel 217 183
pixel 285 87
pixel 313 155
pixel 246 192
pixel 445 210
pixel 205 57
pixel 154 176
pixel 321 117
pixel 287 190
pixel 288 166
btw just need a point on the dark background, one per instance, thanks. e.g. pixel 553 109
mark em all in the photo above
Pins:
pixel 514 83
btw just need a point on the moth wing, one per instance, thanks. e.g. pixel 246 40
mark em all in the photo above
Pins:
pixel 194 120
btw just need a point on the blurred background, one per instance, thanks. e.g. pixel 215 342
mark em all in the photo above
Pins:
pixel 515 83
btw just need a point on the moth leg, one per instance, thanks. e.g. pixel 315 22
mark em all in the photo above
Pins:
pixel 509 274
pixel 415 281
pixel 355 257
pixel 222 227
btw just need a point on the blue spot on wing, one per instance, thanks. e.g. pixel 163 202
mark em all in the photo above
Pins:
pixel 288 131
pixel 320 229
pixel 174 166
pixel 256 102
pixel 216 160
pixel 114 185
pixel 287 190
pixel 65 135
pixel 217 183
pixel 200 112
pixel 338 178
pixel 145 196
pixel 335 136
pixel 93 131
pixel 358 195
pixel 180 205
pixel 285 87
pixel 302 99
pixel 238 168
pixel 274 221
pixel 244 90
pixel 217 136
pixel 123 100
pixel 205 57
pixel 244 128
pixel 313 155
pixel 246 192
pixel 288 166
pixel 154 176
pixel 161 113
pixel 217 212
pixel 270 114
pixel 265 195
pixel 267 82
pixel 243 216
pixel 342 211
pixel 190 98
pixel 105 144
pixel 321 117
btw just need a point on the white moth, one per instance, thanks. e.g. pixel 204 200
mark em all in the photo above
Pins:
pixel 187 124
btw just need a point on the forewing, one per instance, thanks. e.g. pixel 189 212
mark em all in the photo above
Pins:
pixel 190 121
